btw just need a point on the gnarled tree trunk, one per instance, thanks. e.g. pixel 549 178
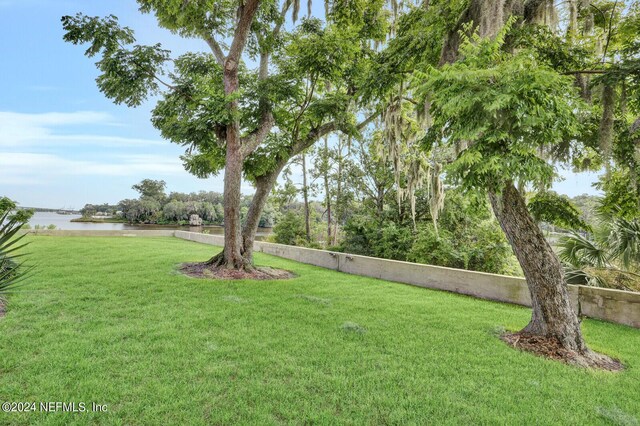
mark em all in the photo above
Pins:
pixel 552 315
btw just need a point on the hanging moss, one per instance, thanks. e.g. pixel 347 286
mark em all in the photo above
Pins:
pixel 436 201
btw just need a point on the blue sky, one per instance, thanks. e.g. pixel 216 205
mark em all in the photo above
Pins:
pixel 62 143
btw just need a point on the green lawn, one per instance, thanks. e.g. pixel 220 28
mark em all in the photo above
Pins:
pixel 108 320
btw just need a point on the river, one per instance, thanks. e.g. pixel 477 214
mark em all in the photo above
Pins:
pixel 63 221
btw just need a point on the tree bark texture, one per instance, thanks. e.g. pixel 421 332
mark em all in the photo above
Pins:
pixel 552 314
pixel 264 185
pixel 231 257
pixel 327 191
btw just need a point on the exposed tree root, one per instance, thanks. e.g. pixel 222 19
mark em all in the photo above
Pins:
pixel 239 263
pixel 225 272
pixel 550 347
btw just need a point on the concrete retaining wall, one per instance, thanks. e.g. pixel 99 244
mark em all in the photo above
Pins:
pixel 611 305
pixel 122 233
pixel 216 240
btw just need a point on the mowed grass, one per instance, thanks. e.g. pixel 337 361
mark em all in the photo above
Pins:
pixel 108 320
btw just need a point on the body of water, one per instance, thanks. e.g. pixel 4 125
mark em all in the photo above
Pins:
pixel 63 221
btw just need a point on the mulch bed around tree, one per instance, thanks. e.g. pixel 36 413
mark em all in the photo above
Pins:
pixel 549 347
pixel 203 270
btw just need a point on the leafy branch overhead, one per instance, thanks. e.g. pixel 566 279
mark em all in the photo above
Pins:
pixel 507 107
pixel 130 73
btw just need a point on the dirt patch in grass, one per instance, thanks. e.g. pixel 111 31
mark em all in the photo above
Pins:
pixel 550 347
pixel 206 271
pixel 2 309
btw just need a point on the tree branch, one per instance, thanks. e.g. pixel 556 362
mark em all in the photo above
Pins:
pixel 215 48
pixel 240 35
pixel 325 129
pixel 584 72
pixel 364 123
pixel 255 138
pixel 606 46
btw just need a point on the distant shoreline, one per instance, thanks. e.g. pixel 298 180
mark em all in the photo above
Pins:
pixel 94 220
pixel 116 220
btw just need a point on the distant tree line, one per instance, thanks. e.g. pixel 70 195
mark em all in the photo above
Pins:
pixel 154 206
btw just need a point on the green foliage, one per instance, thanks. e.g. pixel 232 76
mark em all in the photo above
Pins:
pixel 128 75
pixel 487 250
pixel 145 210
pixel 624 241
pixel 92 209
pixel 556 209
pixel 290 229
pixel 611 259
pixel 150 188
pixel 393 241
pixel 620 198
pixel 12 267
pixel 549 47
pixel 276 147
pixel 418 40
pixel 508 107
pixel 154 206
pixel 468 237
pixel 435 248
pixel 193 18
pixel 104 34
pixel 195 113
pixel 578 251
pixel 360 236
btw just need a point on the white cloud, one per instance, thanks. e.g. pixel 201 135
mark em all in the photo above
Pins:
pixel 23 130
pixel 30 168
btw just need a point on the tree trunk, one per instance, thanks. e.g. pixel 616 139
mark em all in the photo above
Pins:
pixel 264 185
pixel 327 192
pixel 338 192
pixel 305 196
pixel 231 257
pixel 380 199
pixel 552 315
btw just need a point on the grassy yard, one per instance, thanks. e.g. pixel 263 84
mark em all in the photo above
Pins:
pixel 108 320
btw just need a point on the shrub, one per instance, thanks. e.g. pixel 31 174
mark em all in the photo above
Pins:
pixel 290 230
pixel 435 249
pixel 359 235
pixel 489 251
pixel 12 271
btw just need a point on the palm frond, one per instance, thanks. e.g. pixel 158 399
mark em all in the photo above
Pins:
pixel 13 272
pixel 624 241
pixel 579 276
pixel 578 251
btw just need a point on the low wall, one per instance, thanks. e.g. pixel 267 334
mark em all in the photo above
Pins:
pixel 121 233
pixel 611 305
